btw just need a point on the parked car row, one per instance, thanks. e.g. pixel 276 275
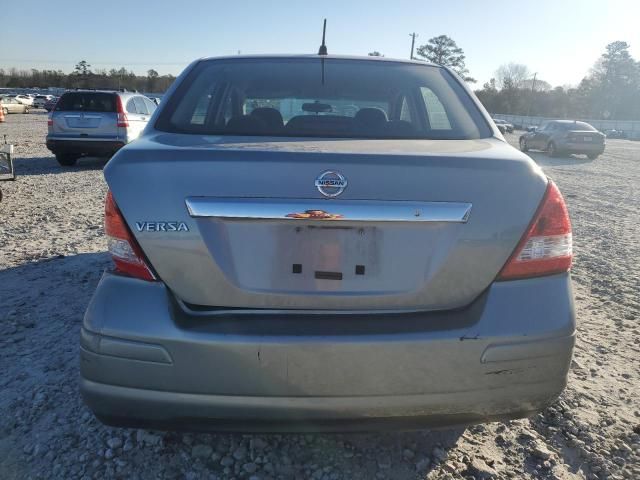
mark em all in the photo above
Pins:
pixel 503 125
pixel 96 123
pixel 13 105
pixel 41 100
pixel 506 127
pixel 28 100
pixel 565 137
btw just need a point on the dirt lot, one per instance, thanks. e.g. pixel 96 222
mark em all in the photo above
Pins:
pixel 51 257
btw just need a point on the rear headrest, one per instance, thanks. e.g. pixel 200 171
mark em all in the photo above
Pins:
pixel 245 125
pixel 270 116
pixel 373 117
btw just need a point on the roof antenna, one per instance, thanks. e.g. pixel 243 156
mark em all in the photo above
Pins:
pixel 323 47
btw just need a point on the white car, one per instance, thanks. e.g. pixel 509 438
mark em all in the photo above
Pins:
pixel 25 99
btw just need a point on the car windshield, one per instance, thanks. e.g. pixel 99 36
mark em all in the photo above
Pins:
pixel 87 102
pixel 317 97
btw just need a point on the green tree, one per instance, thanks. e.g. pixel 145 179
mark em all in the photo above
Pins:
pixel 512 76
pixel 152 77
pixel 443 50
pixel 614 85
pixel 82 68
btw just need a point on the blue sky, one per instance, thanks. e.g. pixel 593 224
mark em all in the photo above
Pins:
pixel 559 39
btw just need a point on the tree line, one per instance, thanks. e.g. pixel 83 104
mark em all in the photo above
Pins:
pixel 611 90
pixel 84 77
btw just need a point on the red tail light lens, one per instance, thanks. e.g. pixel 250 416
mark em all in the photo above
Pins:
pixel 125 251
pixel 547 246
pixel 123 121
pixel 50 121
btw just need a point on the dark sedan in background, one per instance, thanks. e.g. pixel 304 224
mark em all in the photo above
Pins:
pixel 565 137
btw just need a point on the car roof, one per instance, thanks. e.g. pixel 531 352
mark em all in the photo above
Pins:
pixel 115 92
pixel 566 121
pixel 367 58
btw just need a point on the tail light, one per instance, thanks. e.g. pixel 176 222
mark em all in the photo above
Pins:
pixel 125 251
pixel 123 121
pixel 50 121
pixel 546 247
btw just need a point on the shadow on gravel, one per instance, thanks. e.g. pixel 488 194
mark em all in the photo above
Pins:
pixel 49 165
pixel 51 284
pixel 42 303
pixel 48 432
pixel 544 160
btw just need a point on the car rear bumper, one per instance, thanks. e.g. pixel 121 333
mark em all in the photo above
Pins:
pixel 147 362
pixel 584 148
pixel 84 146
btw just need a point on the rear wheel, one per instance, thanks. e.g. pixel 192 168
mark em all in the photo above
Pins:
pixel 66 159
pixel 26 110
pixel 552 151
pixel 592 156
pixel 5 110
pixel 523 145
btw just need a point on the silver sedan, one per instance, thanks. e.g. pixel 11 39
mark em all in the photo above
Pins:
pixel 327 243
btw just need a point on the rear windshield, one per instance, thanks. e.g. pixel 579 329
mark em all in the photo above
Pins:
pixel 87 102
pixel 577 126
pixel 317 97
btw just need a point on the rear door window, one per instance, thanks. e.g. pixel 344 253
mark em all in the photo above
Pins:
pixel 131 106
pixel 87 102
pixel 405 111
pixel 438 119
pixel 140 106
pixel 151 107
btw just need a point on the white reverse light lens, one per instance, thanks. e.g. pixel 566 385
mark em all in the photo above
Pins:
pixel 122 249
pixel 538 248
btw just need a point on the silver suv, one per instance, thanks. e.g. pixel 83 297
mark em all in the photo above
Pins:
pixel 96 123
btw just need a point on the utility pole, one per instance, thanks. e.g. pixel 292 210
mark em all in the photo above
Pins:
pixel 533 84
pixel 413 42
pixel 533 89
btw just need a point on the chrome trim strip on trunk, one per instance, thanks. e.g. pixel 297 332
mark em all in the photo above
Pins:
pixel 324 210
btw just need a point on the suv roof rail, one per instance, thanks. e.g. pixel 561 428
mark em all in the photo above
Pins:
pixel 122 90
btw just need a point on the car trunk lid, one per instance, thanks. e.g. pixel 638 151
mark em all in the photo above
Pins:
pixel 585 136
pixel 239 222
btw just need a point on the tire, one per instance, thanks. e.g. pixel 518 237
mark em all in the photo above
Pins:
pixel 26 110
pixel 66 159
pixel 592 156
pixel 523 145
pixel 552 151
pixel 5 110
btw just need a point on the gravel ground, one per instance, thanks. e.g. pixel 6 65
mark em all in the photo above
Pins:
pixel 51 257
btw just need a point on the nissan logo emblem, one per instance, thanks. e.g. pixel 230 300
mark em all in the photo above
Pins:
pixel 331 184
